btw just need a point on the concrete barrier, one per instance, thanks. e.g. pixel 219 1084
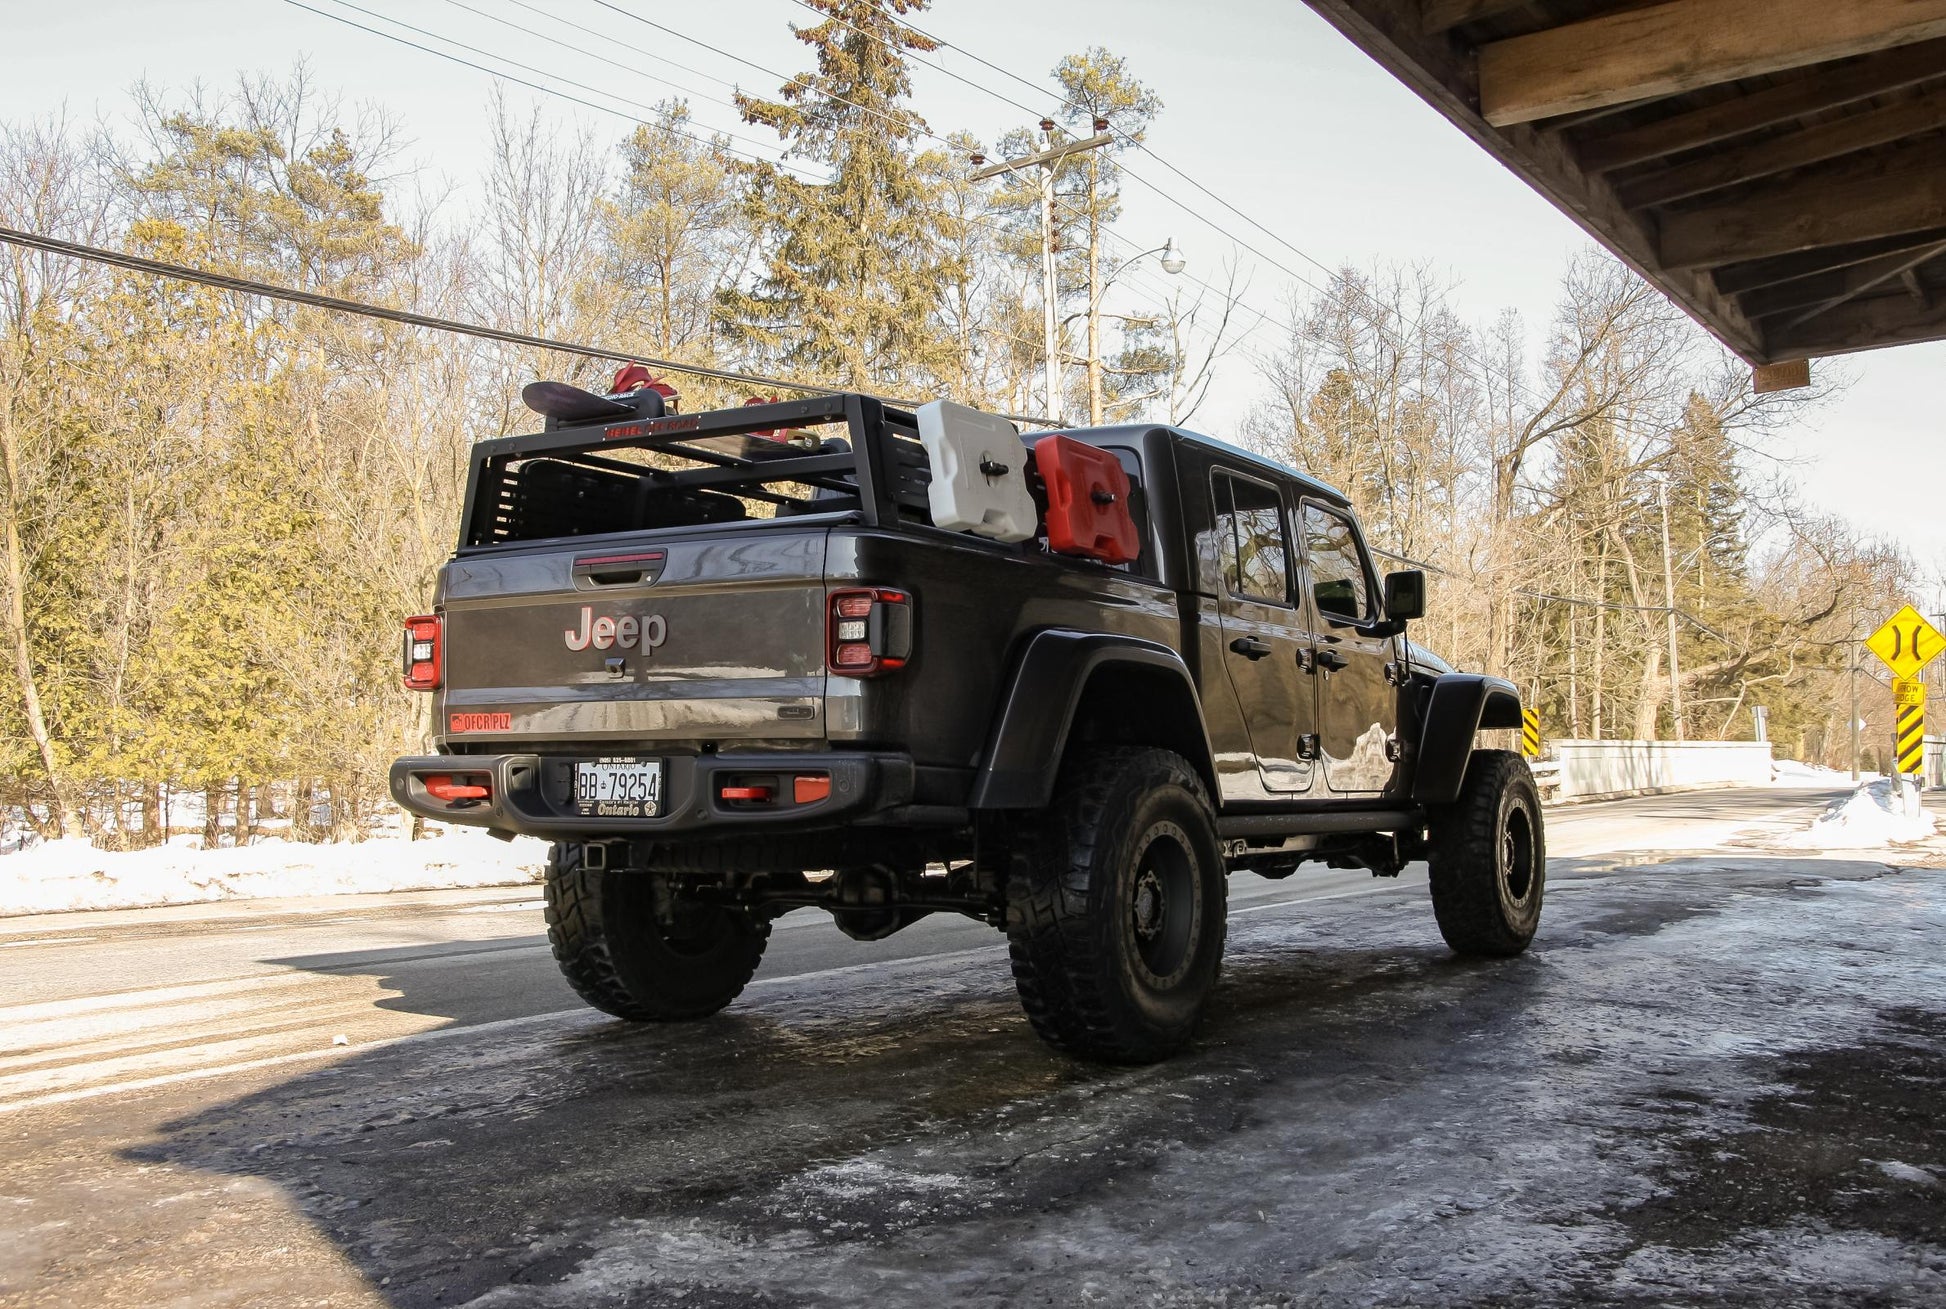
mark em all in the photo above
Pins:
pixel 1595 770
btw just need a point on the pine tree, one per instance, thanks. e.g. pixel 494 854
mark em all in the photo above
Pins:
pixel 856 269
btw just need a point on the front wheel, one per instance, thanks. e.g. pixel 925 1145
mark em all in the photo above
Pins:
pixel 1488 858
pixel 1116 934
pixel 625 957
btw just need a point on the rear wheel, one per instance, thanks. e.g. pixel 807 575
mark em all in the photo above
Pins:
pixel 623 958
pixel 1116 935
pixel 1488 860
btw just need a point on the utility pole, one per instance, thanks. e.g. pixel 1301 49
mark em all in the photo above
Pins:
pixel 1094 280
pixel 1051 334
pixel 1045 161
pixel 1669 594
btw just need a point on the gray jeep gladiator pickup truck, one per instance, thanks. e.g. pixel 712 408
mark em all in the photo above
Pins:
pixel 897 662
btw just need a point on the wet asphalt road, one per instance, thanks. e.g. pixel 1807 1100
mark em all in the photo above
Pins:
pixel 1716 1078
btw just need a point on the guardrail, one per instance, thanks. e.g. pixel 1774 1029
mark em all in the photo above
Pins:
pixel 1599 770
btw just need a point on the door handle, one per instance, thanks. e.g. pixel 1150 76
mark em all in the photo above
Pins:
pixel 1332 660
pixel 1250 647
pixel 1306 662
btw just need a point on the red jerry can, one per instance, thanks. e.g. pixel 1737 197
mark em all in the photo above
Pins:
pixel 1087 501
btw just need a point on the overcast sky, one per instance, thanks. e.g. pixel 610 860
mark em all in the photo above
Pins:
pixel 1263 103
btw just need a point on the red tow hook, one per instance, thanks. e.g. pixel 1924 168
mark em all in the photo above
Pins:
pixel 442 787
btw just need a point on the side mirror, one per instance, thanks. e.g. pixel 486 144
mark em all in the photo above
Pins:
pixel 1405 595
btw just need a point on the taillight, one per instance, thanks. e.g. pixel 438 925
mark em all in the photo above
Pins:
pixel 419 653
pixel 869 631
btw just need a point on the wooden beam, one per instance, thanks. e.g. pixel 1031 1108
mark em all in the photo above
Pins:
pixel 1809 92
pixel 1667 49
pixel 1817 295
pixel 1861 281
pixel 1813 145
pixel 1855 199
pixel 1736 279
pixel 1436 16
pixel 1785 297
pixel 1859 325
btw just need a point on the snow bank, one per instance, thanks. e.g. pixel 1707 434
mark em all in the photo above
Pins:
pixel 1811 777
pixel 1877 814
pixel 68 875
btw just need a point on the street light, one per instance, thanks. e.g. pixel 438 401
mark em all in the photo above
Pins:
pixel 1173 262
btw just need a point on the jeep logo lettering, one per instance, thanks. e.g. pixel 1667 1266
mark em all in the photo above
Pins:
pixel 624 633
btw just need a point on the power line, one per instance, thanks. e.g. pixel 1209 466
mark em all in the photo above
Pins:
pixel 406 317
pixel 589 54
pixel 521 81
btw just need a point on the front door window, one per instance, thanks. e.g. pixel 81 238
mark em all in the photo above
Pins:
pixel 1261 630
pixel 1357 705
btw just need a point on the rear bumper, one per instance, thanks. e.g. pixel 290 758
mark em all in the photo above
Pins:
pixel 531 794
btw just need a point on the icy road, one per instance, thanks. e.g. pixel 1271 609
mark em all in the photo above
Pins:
pixel 1716 1078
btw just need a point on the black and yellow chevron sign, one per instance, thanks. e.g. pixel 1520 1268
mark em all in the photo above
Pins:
pixel 1910 734
pixel 1530 733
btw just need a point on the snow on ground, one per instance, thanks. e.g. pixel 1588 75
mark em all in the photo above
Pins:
pixel 1811 777
pixel 70 875
pixel 1877 814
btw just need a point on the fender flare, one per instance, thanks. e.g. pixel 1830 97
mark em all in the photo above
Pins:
pixel 1023 754
pixel 1459 706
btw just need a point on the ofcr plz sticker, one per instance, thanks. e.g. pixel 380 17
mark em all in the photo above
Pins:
pixel 479 722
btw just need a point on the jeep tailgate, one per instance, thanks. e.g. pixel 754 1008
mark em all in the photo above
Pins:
pixel 706 637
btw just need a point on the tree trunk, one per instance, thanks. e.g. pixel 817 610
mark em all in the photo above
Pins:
pixel 240 829
pixel 302 828
pixel 60 796
pixel 212 817
pixel 1648 703
pixel 152 820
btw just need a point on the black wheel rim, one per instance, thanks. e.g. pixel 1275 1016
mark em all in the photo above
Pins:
pixel 1517 854
pixel 1163 912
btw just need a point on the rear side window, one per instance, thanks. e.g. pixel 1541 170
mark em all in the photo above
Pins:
pixel 1340 585
pixel 1250 537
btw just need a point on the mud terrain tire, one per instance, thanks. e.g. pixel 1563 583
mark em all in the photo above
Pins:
pixel 602 926
pixel 1116 931
pixel 1488 858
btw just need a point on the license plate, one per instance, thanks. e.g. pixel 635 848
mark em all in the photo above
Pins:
pixel 617 788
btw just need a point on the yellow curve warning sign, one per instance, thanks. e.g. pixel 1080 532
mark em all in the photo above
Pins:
pixel 1906 642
